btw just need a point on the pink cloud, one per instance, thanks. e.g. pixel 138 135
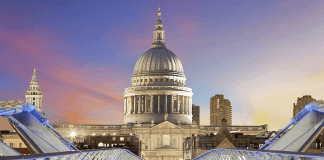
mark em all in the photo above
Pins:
pixel 72 93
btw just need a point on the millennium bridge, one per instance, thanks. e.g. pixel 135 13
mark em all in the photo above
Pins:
pixel 46 143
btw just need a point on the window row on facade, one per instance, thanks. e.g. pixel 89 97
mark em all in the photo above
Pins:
pixel 158 80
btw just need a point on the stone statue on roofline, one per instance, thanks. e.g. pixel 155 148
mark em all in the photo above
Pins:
pixel 166 116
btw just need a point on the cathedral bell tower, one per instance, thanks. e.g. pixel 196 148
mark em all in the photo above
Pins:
pixel 34 95
pixel 158 33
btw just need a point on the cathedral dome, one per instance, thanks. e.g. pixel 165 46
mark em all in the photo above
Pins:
pixel 158 92
pixel 158 61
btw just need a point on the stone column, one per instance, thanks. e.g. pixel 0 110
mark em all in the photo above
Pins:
pixel 145 103
pixel 182 110
pixel 172 101
pixel 140 104
pixel 158 103
pixel 151 105
pixel 129 104
pixel 183 100
pixel 188 105
pixel 166 104
pixel 134 104
pixel 178 100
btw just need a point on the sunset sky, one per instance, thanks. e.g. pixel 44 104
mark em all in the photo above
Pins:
pixel 261 55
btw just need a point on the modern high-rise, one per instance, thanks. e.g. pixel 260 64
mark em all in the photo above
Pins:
pixel 301 102
pixel 34 95
pixel 196 113
pixel 220 108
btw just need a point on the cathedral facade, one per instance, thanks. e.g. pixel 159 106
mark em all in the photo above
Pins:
pixel 157 108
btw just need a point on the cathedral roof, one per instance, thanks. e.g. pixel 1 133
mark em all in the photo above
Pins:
pixel 158 60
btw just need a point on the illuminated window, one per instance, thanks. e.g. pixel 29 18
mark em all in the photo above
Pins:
pixel 113 138
pixel 121 139
pixel 100 144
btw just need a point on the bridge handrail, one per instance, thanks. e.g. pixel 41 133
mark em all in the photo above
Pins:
pixel 260 152
pixel 82 153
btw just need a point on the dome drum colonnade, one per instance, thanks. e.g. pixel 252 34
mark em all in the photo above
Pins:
pixel 158 86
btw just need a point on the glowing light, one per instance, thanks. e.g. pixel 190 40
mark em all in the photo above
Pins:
pixel 104 134
pixel 93 134
pixel 72 134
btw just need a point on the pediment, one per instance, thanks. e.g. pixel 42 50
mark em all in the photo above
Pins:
pixel 225 144
pixel 222 134
pixel 166 124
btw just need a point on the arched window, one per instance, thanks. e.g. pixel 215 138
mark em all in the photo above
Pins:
pixel 100 144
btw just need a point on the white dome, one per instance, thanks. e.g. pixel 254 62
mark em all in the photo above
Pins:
pixel 158 61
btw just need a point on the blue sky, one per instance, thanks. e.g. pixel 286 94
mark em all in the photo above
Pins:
pixel 261 55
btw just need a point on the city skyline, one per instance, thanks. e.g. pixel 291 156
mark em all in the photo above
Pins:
pixel 260 55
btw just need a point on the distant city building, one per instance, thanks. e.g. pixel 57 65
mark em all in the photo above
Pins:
pixel 13 140
pixel 301 102
pixel 220 108
pixel 196 113
pixel 34 94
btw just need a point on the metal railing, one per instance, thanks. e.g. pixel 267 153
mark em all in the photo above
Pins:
pixel 110 154
pixel 229 154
